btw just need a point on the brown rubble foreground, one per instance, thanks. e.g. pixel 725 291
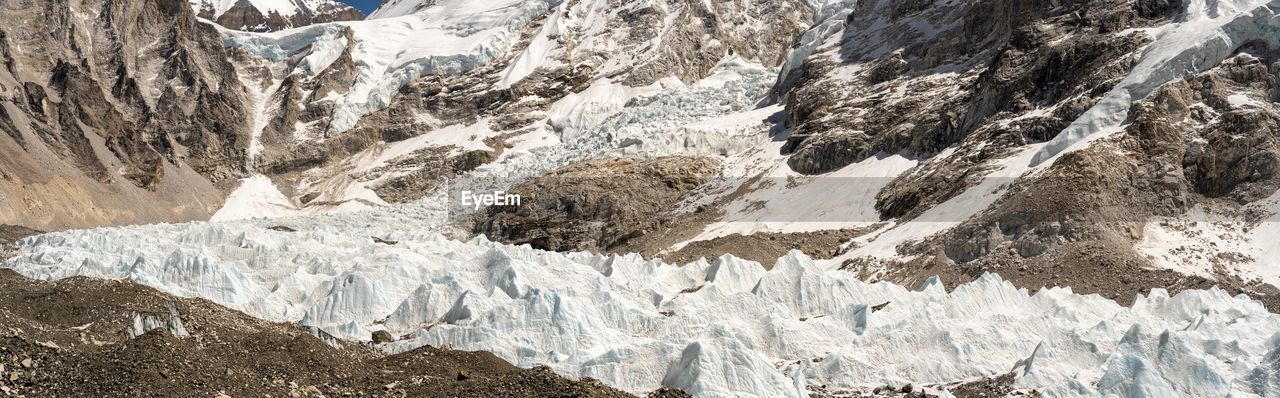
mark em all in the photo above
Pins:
pixel 69 338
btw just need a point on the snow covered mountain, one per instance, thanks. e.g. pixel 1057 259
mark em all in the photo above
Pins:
pixel 273 15
pixel 1116 159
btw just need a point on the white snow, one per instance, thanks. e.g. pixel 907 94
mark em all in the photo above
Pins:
pixel 785 201
pixel 256 197
pixel 1206 36
pixel 609 119
pixel 399 8
pixel 1210 241
pixel 946 214
pixel 828 22
pixel 1240 101
pixel 286 8
pixel 459 137
pixel 589 108
pixel 715 329
pixel 349 184
pixel 539 51
pixel 723 329
pixel 261 115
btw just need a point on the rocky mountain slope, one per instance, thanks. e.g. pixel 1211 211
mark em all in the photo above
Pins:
pixel 273 15
pixel 115 112
pixel 1048 140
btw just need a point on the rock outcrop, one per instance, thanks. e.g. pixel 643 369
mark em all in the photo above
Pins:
pixel 1197 152
pixel 560 54
pixel 596 205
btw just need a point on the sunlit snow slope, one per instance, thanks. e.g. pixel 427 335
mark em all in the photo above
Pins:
pixel 726 328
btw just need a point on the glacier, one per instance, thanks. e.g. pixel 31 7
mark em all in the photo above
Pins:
pixel 610 119
pixel 720 328
pixel 390 50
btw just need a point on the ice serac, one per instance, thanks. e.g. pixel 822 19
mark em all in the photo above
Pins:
pixel 724 367
pixel 829 20
pixel 1209 32
pixel 374 115
pixel 640 324
pixel 350 298
pixel 392 52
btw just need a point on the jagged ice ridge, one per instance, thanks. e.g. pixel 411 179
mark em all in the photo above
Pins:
pixel 721 328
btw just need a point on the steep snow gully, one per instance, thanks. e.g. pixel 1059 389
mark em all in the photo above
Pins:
pixel 721 328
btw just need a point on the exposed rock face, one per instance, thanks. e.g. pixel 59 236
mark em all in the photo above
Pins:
pixel 1207 142
pixel 906 78
pixel 703 33
pixel 115 112
pixel 248 16
pixel 766 248
pixel 596 205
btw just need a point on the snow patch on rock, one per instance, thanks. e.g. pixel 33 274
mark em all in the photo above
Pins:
pixel 256 197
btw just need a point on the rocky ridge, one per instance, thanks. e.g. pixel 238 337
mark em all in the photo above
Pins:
pixel 248 15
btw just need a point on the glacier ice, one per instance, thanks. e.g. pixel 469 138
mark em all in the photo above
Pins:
pixel 389 49
pixel 728 327
pixel 170 322
pixel 828 20
pixel 609 119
